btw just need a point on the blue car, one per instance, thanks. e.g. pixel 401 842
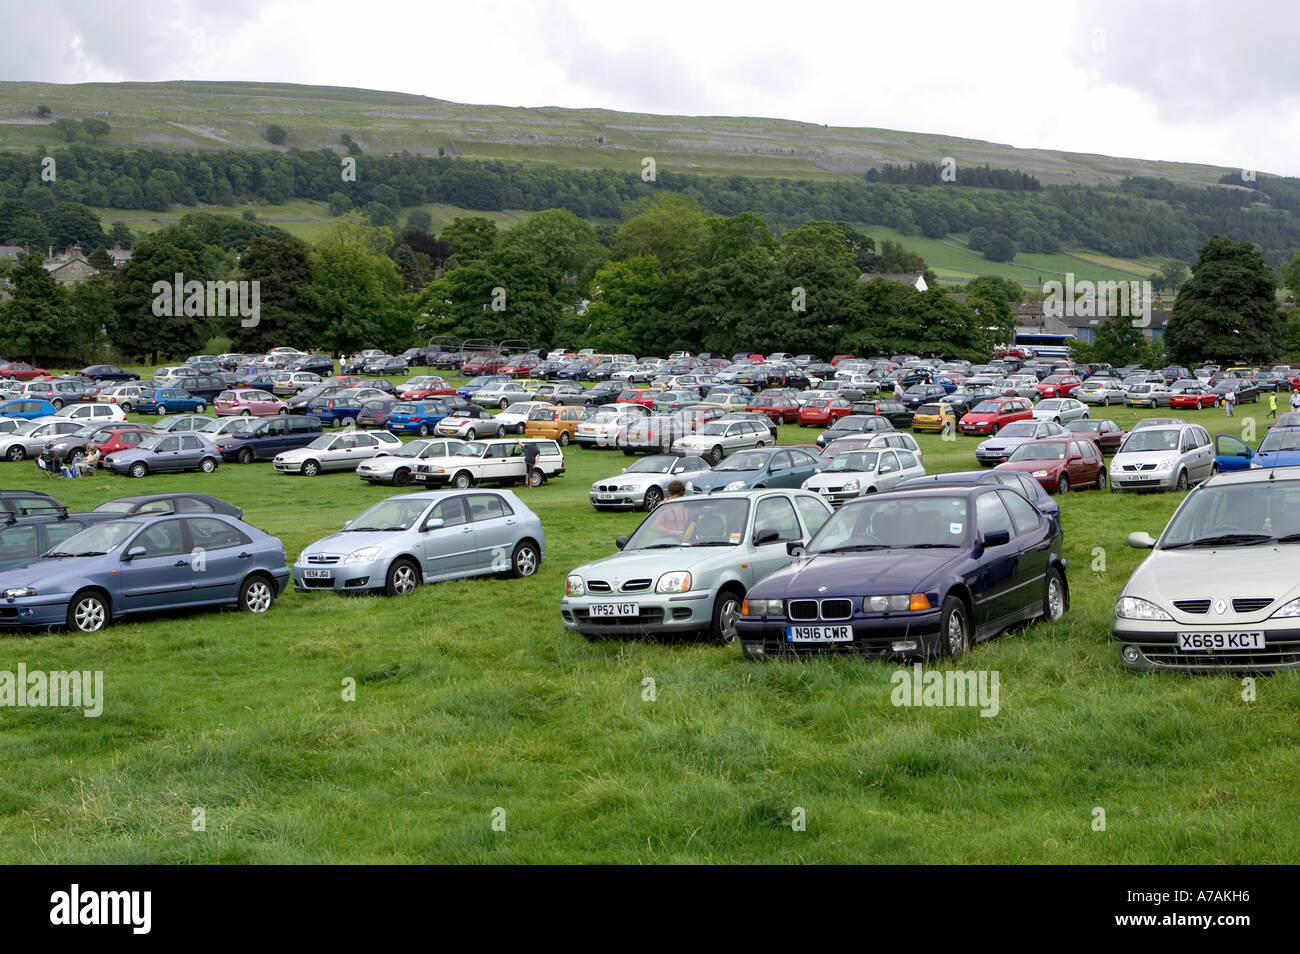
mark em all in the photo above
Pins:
pixel 757 468
pixel 145 564
pixel 474 385
pixel 27 408
pixel 166 400
pixel 917 573
pixel 1279 448
pixel 417 417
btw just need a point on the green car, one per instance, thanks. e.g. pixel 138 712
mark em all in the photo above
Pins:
pixel 690 563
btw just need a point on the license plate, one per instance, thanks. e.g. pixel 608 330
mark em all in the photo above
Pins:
pixel 316 574
pixel 819 634
pixel 614 609
pixel 604 496
pixel 1219 642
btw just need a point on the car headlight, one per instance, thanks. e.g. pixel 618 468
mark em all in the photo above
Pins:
pixel 762 608
pixel 735 485
pixel 1040 473
pixel 852 484
pixel 1287 610
pixel 18 592
pixel 1165 464
pixel 896 603
pixel 362 555
pixel 679 581
pixel 1130 607
pixel 574 586
pixel 627 486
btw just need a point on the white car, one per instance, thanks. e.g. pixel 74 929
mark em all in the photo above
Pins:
pixel 1169 457
pixel 92 413
pixel 494 461
pixel 515 417
pixel 123 395
pixel 859 472
pixel 170 375
pixel 29 439
pixel 398 468
pixel 341 450
pixel 1060 410
pixel 718 439
pixel 878 441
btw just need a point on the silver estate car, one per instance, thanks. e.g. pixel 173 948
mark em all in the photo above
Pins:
pixel 1169 457
pixel 425 537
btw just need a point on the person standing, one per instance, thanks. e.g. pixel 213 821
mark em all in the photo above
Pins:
pixel 1272 406
pixel 1229 402
pixel 530 463
pixel 1295 400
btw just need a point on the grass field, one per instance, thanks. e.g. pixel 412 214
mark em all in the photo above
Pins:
pixel 471 697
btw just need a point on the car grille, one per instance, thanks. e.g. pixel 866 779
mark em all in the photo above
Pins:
pixel 1193 606
pixel 607 488
pixel 832 609
pixel 630 586
pixel 1251 604
pixel 1136 467
pixel 1175 658
pixel 650 615
pixel 319 558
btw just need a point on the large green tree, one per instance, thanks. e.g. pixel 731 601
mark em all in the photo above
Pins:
pixel 140 330
pixel 1226 312
pixel 37 318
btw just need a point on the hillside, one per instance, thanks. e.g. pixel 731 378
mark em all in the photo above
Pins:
pixel 213 115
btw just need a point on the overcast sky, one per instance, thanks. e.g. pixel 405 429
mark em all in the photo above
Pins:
pixel 1156 79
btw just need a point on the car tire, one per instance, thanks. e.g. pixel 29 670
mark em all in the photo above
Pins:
pixel 1181 484
pixel 564 438
pixel 472 434
pixel 993 431
pixel 501 430
pixel 256 594
pixel 536 478
pixel 208 465
pixel 503 404
pixel 1101 479
pixel 653 498
pixel 726 610
pixel 1105 402
pixel 1062 484
pixel 1056 597
pixel 162 409
pixel 245 456
pixel 16 453
pixel 954 628
pixel 715 456
pixel 463 480
pixel 1153 404
pixel 89 612
pixel 57 404
pixel 525 560
pixel 403 577
pixel 310 468
pixel 200 408
pixel 283 410
pixel 138 469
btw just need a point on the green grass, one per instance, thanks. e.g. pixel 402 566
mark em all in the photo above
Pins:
pixel 471 696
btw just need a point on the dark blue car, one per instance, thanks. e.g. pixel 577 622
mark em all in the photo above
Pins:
pixel 1033 491
pixel 916 573
pixel 145 564
pixel 168 400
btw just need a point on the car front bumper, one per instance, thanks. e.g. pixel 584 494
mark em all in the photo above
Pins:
pixel 1145 480
pixel 658 613
pixel 346 577
pixel 1150 646
pixel 34 611
pixel 917 634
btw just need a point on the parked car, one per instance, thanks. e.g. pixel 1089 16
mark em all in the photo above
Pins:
pixel 20 371
pixel 1247 390
pixel 1103 432
pixel 892 411
pixel 169 502
pixel 268 438
pixel 823 412
pixel 58 393
pixel 288 383
pixel 321 364
pixel 853 425
pixel 718 439
pixel 1169 457
pixel 145 564
pixel 1148 394
pixel 398 467
pixel 106 437
pixel 1060 410
pixel 30 438
pixel 997 450
pixel 27 408
pixel 475 384
pixel 160 453
pixel 1218 593
pixel 490 461
pixel 1060 464
pixel 943 568
pixel 385 365
pixel 780 409
pixel 555 423
pixel 468 423
pixel 1194 396
pixel 1102 391
pixel 1020 482
pixel 860 472
pixel 690 563
pixel 343 450
pixel 643 485
pixel 107 372
pixel 758 469
pixel 424 387
pixel 410 539
pixel 86 413
pixel 162 401
pixel 1279 448
pixel 608 426
pixel 248 402
pixel 989 417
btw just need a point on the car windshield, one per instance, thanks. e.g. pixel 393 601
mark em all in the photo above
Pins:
pixel 26 427
pixel 150 440
pixel 517 408
pixel 404 409
pixel 1280 441
pixel 1154 422
pixel 657 464
pixel 231 425
pixel 750 460
pixel 901 523
pixel 1053 450
pixel 1150 440
pixel 472 449
pixel 322 442
pixel 854 460
pixel 987 407
pixel 97 540
pixel 391 514
pixel 692 522
pixel 1020 428
pixel 712 429
pixel 1050 405
pixel 1237 515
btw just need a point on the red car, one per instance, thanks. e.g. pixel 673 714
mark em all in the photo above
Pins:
pixel 989 417
pixel 823 412
pixel 20 370
pixel 1194 397
pixel 1058 385
pixel 520 367
pixel 840 357
pixel 435 388
pixel 483 364
pixel 1102 431
pixel 643 396
pixel 782 410
pixel 1060 464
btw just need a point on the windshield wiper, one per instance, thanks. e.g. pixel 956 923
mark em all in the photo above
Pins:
pixel 659 546
pixel 89 553
pixel 57 553
pixel 855 547
pixel 927 546
pixel 365 529
pixel 1224 540
pixel 1288 538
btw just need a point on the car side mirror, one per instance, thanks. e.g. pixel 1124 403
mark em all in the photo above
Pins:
pixel 433 523
pixel 764 537
pixel 134 552
pixel 1141 540
pixel 794 548
pixel 1076 457
pixel 346 524
pixel 621 542
pixel 997 538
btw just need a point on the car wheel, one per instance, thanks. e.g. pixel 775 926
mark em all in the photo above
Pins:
pixel 16 453
pixel 57 404
pixel 993 431
pixel 503 404
pixel 1153 404
pixel 726 610
pixel 715 456
pixel 1056 420
pixel 501 430
pixel 310 468
pixel 1063 484
pixel 138 469
pixel 245 456
pixel 463 480
pixel 653 498
pixel 403 577
pixel 954 628
pixel 402 477
pixel 1055 600
pixel 1105 402
pixel 472 434
pixel 256 595
pixel 89 612
pixel 283 410
pixel 208 465
pixel 162 409
pixel 525 560
pixel 536 478
pixel 200 408
pixel 1101 479
pixel 1181 485
pixel 564 438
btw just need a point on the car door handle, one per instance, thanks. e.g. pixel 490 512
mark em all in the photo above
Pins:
pixel 468 530
pixel 181 563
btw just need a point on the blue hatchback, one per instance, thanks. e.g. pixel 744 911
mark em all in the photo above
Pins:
pixel 167 400
pixel 417 417
pixel 27 408
pixel 145 564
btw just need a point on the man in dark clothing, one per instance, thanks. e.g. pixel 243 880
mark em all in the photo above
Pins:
pixel 530 463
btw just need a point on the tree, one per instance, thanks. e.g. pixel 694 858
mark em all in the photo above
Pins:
pixel 354 291
pixel 1289 272
pixel 1172 276
pixel 158 257
pixel 1226 311
pixel 95 128
pixel 282 267
pixel 275 134
pixel 978 238
pixel 470 238
pixel 568 250
pixel 420 219
pixel 999 248
pixel 990 298
pixel 339 203
pixel 70 223
pixel 44 112
pixel 68 128
pixel 37 316
pixel 670 227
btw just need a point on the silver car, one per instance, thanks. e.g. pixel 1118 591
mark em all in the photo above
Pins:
pixel 1103 391
pixel 1060 410
pixel 644 485
pixel 997 449
pixel 30 437
pixel 425 537
pixel 1169 457
pixel 861 472
pixel 341 450
pixel 398 468
pixel 718 439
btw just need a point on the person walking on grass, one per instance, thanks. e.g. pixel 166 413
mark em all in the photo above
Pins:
pixel 1272 406
pixel 1229 402
pixel 1295 400
pixel 530 463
